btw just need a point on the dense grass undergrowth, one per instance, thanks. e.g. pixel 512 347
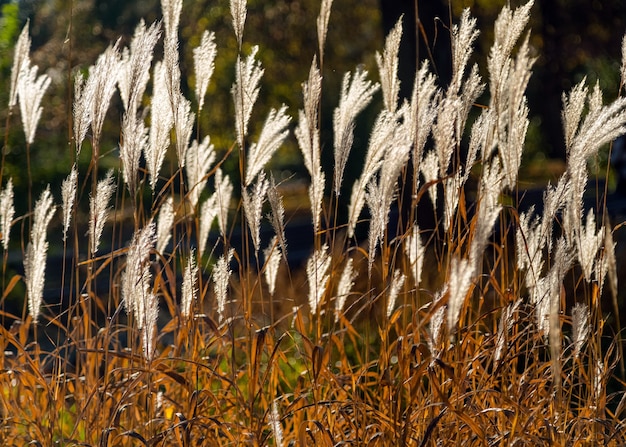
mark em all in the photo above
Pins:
pixel 184 320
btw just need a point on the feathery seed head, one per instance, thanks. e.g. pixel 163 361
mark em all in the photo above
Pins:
pixel 209 210
pixel 388 67
pixel 317 273
pixel 580 327
pixel 459 282
pixel 7 210
pixel 221 276
pixel 161 125
pixel 272 256
pixel 394 289
pixel 190 286
pixel 344 287
pixel 278 215
pixel 322 25
pixel 30 91
pixel 415 250
pixel 253 208
pixel 68 195
pixel 200 157
pixel 238 11
pixel 98 210
pixel 204 64
pixel 21 60
pixel 165 223
pixel 136 275
pixel 223 192
pixel 245 90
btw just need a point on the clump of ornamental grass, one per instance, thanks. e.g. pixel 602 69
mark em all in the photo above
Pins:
pixel 175 331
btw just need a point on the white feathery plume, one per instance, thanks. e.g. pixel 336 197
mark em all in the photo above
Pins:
pixel 415 250
pixel 317 274
pixel 35 257
pixel 451 194
pixel 459 282
pixel 253 208
pixel 135 66
pixel 307 131
pixel 183 124
pixel 356 94
pixel 223 192
pixel 277 429
pixel 429 167
pixel 322 25
pixel 171 16
pixel 30 91
pixel 445 132
pixel 7 210
pixel 388 67
pixel 101 84
pixel 68 195
pixel 272 136
pixel 272 256
pixel 245 90
pixel 134 142
pixel 344 287
pixel 136 276
pixel 589 243
pixel 316 197
pixel 148 326
pixel 580 327
pixel 200 157
pixel 277 217
pixel 221 276
pixel 81 110
pixel 238 11
pixel 190 286
pixel 507 319
pixel 463 37
pixel 573 106
pixel 529 246
pixel 394 289
pixel 165 223
pixel 437 318
pixel 378 221
pixel 99 209
pixel 21 60
pixel 162 122
pixel 204 64
pixel 208 212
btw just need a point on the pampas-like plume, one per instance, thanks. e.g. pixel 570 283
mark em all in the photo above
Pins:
pixel 208 212
pixel 238 11
pixel 68 196
pixel 277 429
pixel 272 136
pixel 322 25
pixel 164 225
pixel 190 286
pixel 415 250
pixel 429 167
pixel 98 210
pixel 171 16
pixel 245 90
pixel 388 67
pixel 30 91
pixel 35 257
pixel 134 142
pixel 589 243
pixel 317 274
pixel 272 261
pixel 459 282
pixel 162 122
pixel 221 276
pixel 356 94
pixel 200 157
pixel 580 327
pixel 394 289
pixel 81 109
pixel 204 64
pixel 253 208
pixel 183 124
pixel 223 192
pixel 135 65
pixel 278 215
pixel 344 287
pixel 21 60
pixel 7 210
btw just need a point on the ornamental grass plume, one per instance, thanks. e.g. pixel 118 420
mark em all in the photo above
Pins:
pixel 245 90
pixel 223 194
pixel 460 279
pixel 7 210
pixel 165 222
pixel 253 208
pixel 317 274
pixel 30 91
pixel 238 11
pixel 99 210
pixel 68 197
pixel 204 64
pixel 189 290
pixel 35 257
pixel 221 277
pixel 415 251
pixel 200 158
pixel 344 287
pixel 209 210
pixel 272 256
pixel 162 121
pixel 397 282
pixel 388 67
pixel 21 60
pixel 277 217
pixel 322 25
pixel 580 327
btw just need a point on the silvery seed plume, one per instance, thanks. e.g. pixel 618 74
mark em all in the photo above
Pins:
pixel 98 209
pixel 21 59
pixel 415 250
pixel 445 132
pixel 136 276
pixel 81 109
pixel 510 25
pixel 451 193
pixel 463 37
pixel 204 64
pixel 277 217
pixel 190 286
pixel 209 210
pixel 316 197
pixel 322 25
pixel 253 208
pixel 7 210
pixel 134 142
pixel 507 319
pixel 580 327
pixel 223 192
pixel 30 91
pixel 238 11
pixel 356 94
pixel 35 257
pixel 101 83
pixel 161 125
pixel 317 274
pixel 344 287
pixel 529 246
pixel 573 106
pixel 429 167
pixel 589 243
pixel 171 16
pixel 277 429
pixel 68 196
pixel 165 223
pixel 183 124
pixel 272 256
pixel 388 67
pixel 378 221
pixel 394 289
pixel 148 327
pixel 245 90
pixel 307 131
pixel 272 136
pixel 459 282
pixel 200 157
pixel 135 65
pixel 221 276
pixel 436 324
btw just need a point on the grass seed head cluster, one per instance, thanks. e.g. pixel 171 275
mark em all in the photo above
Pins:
pixel 486 329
